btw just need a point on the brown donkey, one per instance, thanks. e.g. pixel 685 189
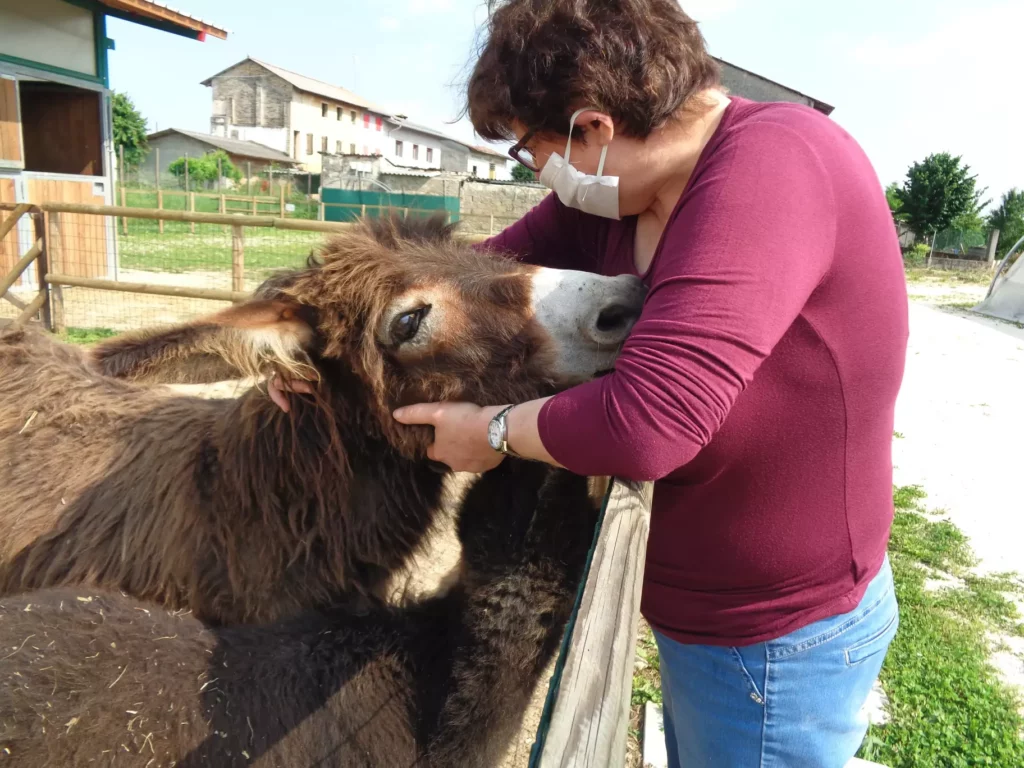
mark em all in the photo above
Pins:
pixel 95 678
pixel 238 511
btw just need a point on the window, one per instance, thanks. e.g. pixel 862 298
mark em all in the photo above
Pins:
pixel 337 147
pixel 366 121
pixel 380 123
pixel 351 149
pixel 415 151
pixel 491 172
pixel 234 133
pixel 353 115
pixel 430 154
pixel 323 109
pixel 474 170
pixel 398 148
pixel 323 144
pixel 309 143
pixel 340 112
pixel 61 125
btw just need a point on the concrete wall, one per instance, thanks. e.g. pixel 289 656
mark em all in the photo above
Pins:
pixel 507 203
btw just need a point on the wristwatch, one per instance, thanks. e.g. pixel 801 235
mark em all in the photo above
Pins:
pixel 497 433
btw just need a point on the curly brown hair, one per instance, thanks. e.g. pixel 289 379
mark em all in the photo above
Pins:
pixel 639 61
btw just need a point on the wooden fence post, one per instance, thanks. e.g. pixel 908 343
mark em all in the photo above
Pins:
pixel 248 177
pixel 281 188
pixel 42 267
pixel 159 192
pixel 237 257
pixel 192 208
pixel 590 717
pixel 223 207
pixel 55 263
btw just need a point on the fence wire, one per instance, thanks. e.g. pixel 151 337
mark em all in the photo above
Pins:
pixel 136 251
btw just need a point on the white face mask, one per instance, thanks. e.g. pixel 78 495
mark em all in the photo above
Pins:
pixel 598 195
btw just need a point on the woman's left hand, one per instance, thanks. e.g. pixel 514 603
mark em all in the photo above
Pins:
pixel 460 433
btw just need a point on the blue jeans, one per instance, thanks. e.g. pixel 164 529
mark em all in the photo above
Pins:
pixel 793 702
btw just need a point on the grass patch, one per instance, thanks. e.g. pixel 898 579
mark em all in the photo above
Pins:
pixel 87 335
pixel 948 708
pixel 209 249
pixel 920 274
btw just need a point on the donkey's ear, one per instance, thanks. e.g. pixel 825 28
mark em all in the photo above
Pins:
pixel 245 340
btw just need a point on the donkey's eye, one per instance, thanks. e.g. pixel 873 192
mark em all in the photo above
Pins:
pixel 405 327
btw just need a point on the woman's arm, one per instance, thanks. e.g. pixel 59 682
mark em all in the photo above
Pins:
pixel 752 242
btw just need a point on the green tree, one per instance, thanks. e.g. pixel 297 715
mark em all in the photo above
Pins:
pixel 892 196
pixel 1008 218
pixel 203 170
pixel 129 130
pixel 521 173
pixel 938 190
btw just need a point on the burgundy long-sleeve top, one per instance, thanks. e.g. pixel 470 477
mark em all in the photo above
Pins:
pixel 759 384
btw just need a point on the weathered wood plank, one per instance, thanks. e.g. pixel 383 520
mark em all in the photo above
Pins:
pixel 591 713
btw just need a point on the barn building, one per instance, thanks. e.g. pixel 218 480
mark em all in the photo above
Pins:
pixel 56 140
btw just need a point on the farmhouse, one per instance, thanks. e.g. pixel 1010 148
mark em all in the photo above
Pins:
pixel 174 143
pixel 306 119
pixel 55 124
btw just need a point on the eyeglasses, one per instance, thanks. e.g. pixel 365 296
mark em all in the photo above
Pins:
pixel 522 155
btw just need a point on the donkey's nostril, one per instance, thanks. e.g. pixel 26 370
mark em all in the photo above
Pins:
pixel 615 318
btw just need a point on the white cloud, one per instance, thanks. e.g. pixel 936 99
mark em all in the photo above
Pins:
pixel 708 10
pixel 388 22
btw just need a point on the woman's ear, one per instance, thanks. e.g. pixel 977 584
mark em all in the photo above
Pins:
pixel 598 127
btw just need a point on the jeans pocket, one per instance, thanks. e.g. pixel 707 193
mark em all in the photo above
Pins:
pixel 878 642
pixel 756 694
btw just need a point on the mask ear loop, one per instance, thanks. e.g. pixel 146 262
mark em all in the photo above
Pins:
pixel 572 122
pixel 568 143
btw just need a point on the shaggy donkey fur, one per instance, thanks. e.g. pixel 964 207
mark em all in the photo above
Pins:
pixel 97 678
pixel 232 508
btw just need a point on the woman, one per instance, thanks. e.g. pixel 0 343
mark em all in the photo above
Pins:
pixel 758 386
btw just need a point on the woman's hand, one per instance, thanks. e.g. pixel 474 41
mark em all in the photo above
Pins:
pixel 278 387
pixel 460 433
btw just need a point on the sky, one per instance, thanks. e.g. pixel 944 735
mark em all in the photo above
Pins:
pixel 907 77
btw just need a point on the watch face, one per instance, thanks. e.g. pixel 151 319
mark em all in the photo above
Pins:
pixel 494 435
